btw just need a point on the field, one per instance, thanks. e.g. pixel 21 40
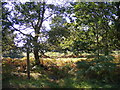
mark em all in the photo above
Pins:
pixel 65 72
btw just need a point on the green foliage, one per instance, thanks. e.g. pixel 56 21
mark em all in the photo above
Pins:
pixel 7 71
pixel 7 33
pixel 93 31
pixel 59 33
pixel 81 46
pixel 99 68
pixel 37 69
pixel 58 72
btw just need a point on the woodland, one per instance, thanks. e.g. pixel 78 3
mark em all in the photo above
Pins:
pixel 60 45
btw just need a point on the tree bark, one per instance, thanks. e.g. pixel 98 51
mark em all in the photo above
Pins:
pixel 98 52
pixel 28 60
pixel 36 51
pixel 28 64
pixel 36 55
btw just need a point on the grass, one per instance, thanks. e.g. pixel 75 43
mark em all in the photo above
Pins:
pixel 46 82
pixel 41 78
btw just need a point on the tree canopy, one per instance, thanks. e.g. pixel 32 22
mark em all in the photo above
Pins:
pixel 75 26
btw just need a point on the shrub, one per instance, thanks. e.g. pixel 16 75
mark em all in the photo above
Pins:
pixel 99 68
pixel 7 70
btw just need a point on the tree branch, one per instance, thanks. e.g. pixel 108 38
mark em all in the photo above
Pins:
pixel 32 25
pixel 47 17
pixel 19 30
pixel 41 21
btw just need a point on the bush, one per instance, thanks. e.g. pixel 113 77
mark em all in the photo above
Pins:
pixel 7 71
pixel 99 68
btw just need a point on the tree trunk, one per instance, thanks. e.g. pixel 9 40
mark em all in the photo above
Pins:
pixel 37 32
pixel 36 56
pixel 36 51
pixel 28 64
pixel 42 53
pixel 98 52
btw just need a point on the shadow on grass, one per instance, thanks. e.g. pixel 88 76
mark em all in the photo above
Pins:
pixel 52 80
pixel 45 82
pixel 15 81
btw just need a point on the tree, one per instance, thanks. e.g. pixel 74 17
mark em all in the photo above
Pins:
pixel 30 16
pixel 58 33
pixel 95 17
pixel 8 46
pixel 28 46
pixel 117 25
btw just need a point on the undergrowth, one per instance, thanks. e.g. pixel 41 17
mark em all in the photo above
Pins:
pixel 100 72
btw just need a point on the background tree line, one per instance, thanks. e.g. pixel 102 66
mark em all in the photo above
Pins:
pixel 92 27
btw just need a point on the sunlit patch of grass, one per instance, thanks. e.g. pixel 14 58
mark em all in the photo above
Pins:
pixel 54 54
pixel 60 61
pixel 117 58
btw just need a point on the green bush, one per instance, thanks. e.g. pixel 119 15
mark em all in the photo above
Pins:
pixel 99 68
pixel 7 71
